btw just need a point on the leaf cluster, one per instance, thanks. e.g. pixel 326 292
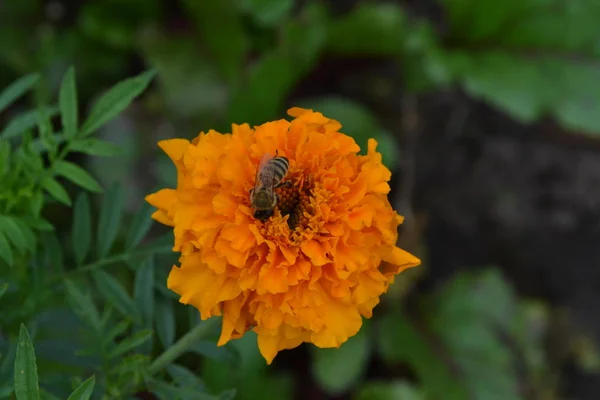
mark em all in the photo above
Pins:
pixel 82 317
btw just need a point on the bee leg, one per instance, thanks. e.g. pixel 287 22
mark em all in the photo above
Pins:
pixel 251 191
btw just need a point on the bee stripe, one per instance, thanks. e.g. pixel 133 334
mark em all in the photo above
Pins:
pixel 280 166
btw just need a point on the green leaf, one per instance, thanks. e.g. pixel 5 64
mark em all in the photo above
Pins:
pixel 17 89
pixel 81 233
pixel 5 153
pixel 26 377
pixel 229 47
pixel 94 147
pixel 130 343
pixel 85 390
pixel 38 223
pixel 13 232
pixel 481 307
pixel 165 321
pixel 338 370
pixel 115 100
pixel 77 175
pixel 268 12
pixel 110 219
pixel 53 250
pixel 83 305
pixel 305 37
pixel 209 349
pixel 115 294
pixel 400 342
pixel 117 330
pixel 184 377
pixel 56 190
pixel 398 390
pixel 26 120
pixel 46 132
pixel 369 29
pixel 5 250
pixel 3 289
pixel 30 237
pixel 143 291
pixel 67 100
pixel 140 226
pixel 269 83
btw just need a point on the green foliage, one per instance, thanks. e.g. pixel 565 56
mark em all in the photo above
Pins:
pixel 26 377
pixel 338 370
pixel 101 321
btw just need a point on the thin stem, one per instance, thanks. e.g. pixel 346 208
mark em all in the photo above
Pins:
pixel 182 345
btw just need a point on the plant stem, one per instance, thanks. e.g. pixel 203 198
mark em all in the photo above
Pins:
pixel 182 345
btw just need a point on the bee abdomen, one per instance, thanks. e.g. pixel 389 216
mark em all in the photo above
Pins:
pixel 280 168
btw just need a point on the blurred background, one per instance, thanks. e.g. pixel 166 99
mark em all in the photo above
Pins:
pixel 487 113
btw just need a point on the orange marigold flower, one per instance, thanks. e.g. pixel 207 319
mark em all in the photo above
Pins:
pixel 311 271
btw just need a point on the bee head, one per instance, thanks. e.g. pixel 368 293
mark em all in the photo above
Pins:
pixel 263 215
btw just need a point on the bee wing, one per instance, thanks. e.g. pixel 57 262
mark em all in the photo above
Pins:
pixel 263 161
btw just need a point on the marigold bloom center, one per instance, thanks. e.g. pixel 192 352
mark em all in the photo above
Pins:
pixel 310 271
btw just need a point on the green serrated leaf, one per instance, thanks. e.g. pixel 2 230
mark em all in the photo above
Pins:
pixel 115 100
pixel 337 370
pixel 35 206
pixel 67 100
pixel 110 219
pixel 83 306
pixel 130 343
pixel 115 294
pixel 25 121
pixel 143 291
pixel 165 321
pixel 26 377
pixel 81 234
pixel 77 175
pixel 85 390
pixel 17 89
pixel 5 250
pixel 140 226
pixel 56 190
pixel 12 231
pixel 94 147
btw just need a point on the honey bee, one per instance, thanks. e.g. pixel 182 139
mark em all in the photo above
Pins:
pixel 269 175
